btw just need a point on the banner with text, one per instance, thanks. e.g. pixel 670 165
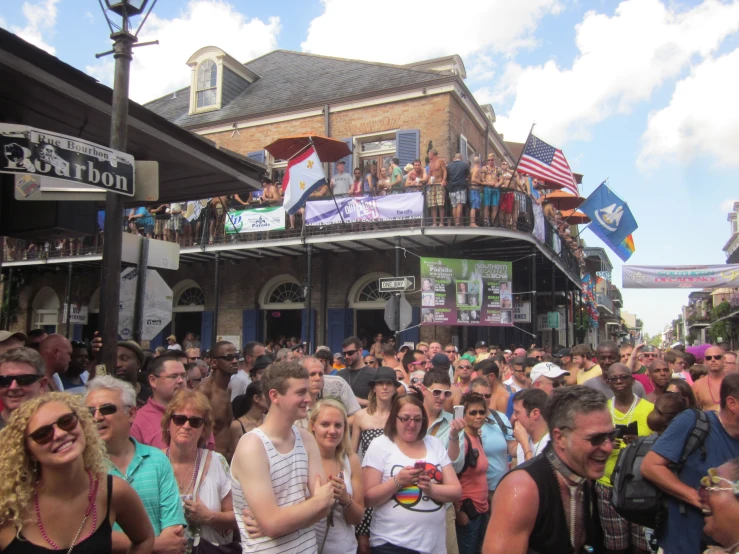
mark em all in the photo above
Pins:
pixel 466 292
pixel 680 276
pixel 271 218
pixel 365 208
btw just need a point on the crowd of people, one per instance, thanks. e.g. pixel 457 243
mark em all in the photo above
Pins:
pixel 422 449
pixel 457 193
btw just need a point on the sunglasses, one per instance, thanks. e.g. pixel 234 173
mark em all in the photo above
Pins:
pixel 618 378
pixel 649 355
pixel 180 420
pixel 44 435
pixel 22 380
pixel 369 362
pixel 227 357
pixel 105 409
pixel 415 380
pixel 464 367
pixel 711 481
pixel 537 357
pixel 449 352
pixel 408 419
pixel 600 438
pixel 485 396
pixel 350 352
pixel 195 358
pixel 475 413
pixel 441 392
pixel 716 357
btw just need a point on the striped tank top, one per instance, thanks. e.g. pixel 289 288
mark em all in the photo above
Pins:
pixel 289 475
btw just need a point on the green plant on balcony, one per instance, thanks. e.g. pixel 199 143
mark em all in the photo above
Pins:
pixel 724 329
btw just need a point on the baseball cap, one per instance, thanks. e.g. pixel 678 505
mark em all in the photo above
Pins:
pixel 5 335
pixel 481 344
pixel 507 352
pixel 547 369
pixel 563 352
pixel 440 360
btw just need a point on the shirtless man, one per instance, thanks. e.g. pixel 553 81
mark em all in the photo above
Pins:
pixel 224 363
pixel 217 216
pixel 435 191
pixel 507 202
pixel 491 190
pixel 416 177
pixel 476 184
pixel 376 348
pixel 488 368
pixel 707 391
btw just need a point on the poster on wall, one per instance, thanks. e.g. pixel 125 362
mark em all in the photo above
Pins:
pixel 466 292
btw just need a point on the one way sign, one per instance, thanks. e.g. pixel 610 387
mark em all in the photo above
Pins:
pixel 397 284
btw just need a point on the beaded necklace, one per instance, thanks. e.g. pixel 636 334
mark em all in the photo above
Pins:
pixel 195 470
pixel 90 508
pixel 629 414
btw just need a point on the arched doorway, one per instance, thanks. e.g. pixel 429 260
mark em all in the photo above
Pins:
pixel 282 301
pixel 45 310
pixel 368 303
pixel 188 305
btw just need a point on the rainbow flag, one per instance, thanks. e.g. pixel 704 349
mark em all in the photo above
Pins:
pixel 626 248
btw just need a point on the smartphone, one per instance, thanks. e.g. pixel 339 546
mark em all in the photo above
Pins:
pixel 458 412
pixel 100 370
pixel 420 464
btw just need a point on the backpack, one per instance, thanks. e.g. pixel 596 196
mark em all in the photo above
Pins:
pixel 638 500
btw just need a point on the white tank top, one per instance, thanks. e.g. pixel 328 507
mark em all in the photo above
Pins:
pixel 289 475
pixel 340 538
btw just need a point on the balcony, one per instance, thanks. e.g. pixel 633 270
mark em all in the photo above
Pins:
pixel 603 301
pixel 511 234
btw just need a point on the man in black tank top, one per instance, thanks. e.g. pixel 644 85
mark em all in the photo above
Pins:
pixel 548 504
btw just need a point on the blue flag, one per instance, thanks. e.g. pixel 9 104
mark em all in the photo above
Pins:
pixel 611 217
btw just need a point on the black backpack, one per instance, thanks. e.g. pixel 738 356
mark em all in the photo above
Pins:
pixel 640 501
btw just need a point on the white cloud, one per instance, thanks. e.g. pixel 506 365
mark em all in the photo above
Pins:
pixel 40 20
pixel 622 60
pixel 727 205
pixel 701 118
pixel 158 70
pixel 90 17
pixel 412 30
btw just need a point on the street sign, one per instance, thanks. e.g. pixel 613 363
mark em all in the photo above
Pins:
pixel 162 254
pixel 398 313
pixel 78 316
pixel 397 284
pixel 32 151
pixel 157 304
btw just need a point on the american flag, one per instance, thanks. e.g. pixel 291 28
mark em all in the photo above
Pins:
pixel 546 162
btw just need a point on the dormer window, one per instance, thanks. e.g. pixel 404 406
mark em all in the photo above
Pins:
pixel 207 84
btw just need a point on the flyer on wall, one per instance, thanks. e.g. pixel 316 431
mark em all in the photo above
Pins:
pixel 466 292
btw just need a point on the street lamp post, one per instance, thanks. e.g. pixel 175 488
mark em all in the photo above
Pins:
pixel 110 287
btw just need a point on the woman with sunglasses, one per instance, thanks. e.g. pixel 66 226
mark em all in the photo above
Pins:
pixel 369 423
pixel 202 476
pixel 249 410
pixel 408 477
pixel 470 511
pixel 53 463
pixel 335 533
pixel 719 494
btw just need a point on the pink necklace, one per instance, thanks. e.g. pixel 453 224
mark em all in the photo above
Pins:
pixel 90 508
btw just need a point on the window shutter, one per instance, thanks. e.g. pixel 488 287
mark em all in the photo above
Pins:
pixel 348 160
pixel 340 325
pixel 206 331
pixel 257 156
pixel 304 328
pixel 463 147
pixel 407 146
pixel 252 326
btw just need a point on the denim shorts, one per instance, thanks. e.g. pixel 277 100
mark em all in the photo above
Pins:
pixel 475 199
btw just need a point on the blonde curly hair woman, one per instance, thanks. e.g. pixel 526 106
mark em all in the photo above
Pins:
pixel 52 462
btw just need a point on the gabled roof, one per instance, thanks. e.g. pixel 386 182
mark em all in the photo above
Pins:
pixel 293 80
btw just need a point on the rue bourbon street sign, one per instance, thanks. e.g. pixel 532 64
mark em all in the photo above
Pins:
pixel 31 151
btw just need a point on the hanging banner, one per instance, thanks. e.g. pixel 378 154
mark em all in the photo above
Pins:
pixel 680 276
pixel 270 218
pixel 521 312
pixel 33 151
pixel 466 292
pixel 365 208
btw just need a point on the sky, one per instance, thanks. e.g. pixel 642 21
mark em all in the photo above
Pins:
pixel 639 92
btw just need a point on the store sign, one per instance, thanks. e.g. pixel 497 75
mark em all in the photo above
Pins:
pixel 78 316
pixel 522 312
pixel 270 218
pixel 680 276
pixel 466 292
pixel 30 151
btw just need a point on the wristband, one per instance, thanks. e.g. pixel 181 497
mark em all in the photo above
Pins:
pixel 396 483
pixel 351 499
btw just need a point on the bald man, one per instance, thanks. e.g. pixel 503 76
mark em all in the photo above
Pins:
pixel 708 391
pixel 57 353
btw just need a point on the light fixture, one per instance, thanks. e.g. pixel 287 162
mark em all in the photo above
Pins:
pixel 127 7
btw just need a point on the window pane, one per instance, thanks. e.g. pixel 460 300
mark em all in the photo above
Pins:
pixel 213 75
pixel 207 75
pixel 376 145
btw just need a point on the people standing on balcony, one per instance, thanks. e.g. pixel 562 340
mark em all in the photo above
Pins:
pixel 369 183
pixel 383 183
pixel 416 178
pixel 396 177
pixel 475 194
pixel 217 217
pixel 458 174
pixel 707 391
pixel 174 225
pixel 435 191
pixel 357 187
pixel 507 201
pixel 341 183
pixel 491 191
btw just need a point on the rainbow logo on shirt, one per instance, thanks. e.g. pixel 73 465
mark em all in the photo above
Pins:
pixel 410 497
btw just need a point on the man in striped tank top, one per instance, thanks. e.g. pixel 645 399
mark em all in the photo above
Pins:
pixel 273 467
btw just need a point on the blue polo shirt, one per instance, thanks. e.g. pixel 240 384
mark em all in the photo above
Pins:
pixel 151 476
pixel 683 531
pixel 495 444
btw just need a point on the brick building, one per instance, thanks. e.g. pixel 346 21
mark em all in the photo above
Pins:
pixel 380 111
